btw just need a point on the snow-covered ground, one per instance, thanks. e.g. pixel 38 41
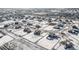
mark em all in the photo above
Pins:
pixel 20 32
pixel 33 37
pixel 60 46
pixel 7 22
pixel 5 39
pixel 49 44
pixel 49 28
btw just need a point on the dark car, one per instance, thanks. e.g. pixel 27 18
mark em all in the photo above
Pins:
pixel 64 22
pixel 73 32
pixel 17 27
pixel 56 27
pixel 69 46
pixel 60 25
pixel 76 30
pixel 6 26
pixel 38 26
pixel 37 32
pixel 27 30
pixel 29 24
pixel 52 37
pixel 74 27
pixel 16 23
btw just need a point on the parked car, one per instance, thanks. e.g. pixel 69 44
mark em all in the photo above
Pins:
pixel 69 46
pixel 73 32
pixel 74 27
pixel 27 30
pixel 38 26
pixel 37 32
pixel 52 37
